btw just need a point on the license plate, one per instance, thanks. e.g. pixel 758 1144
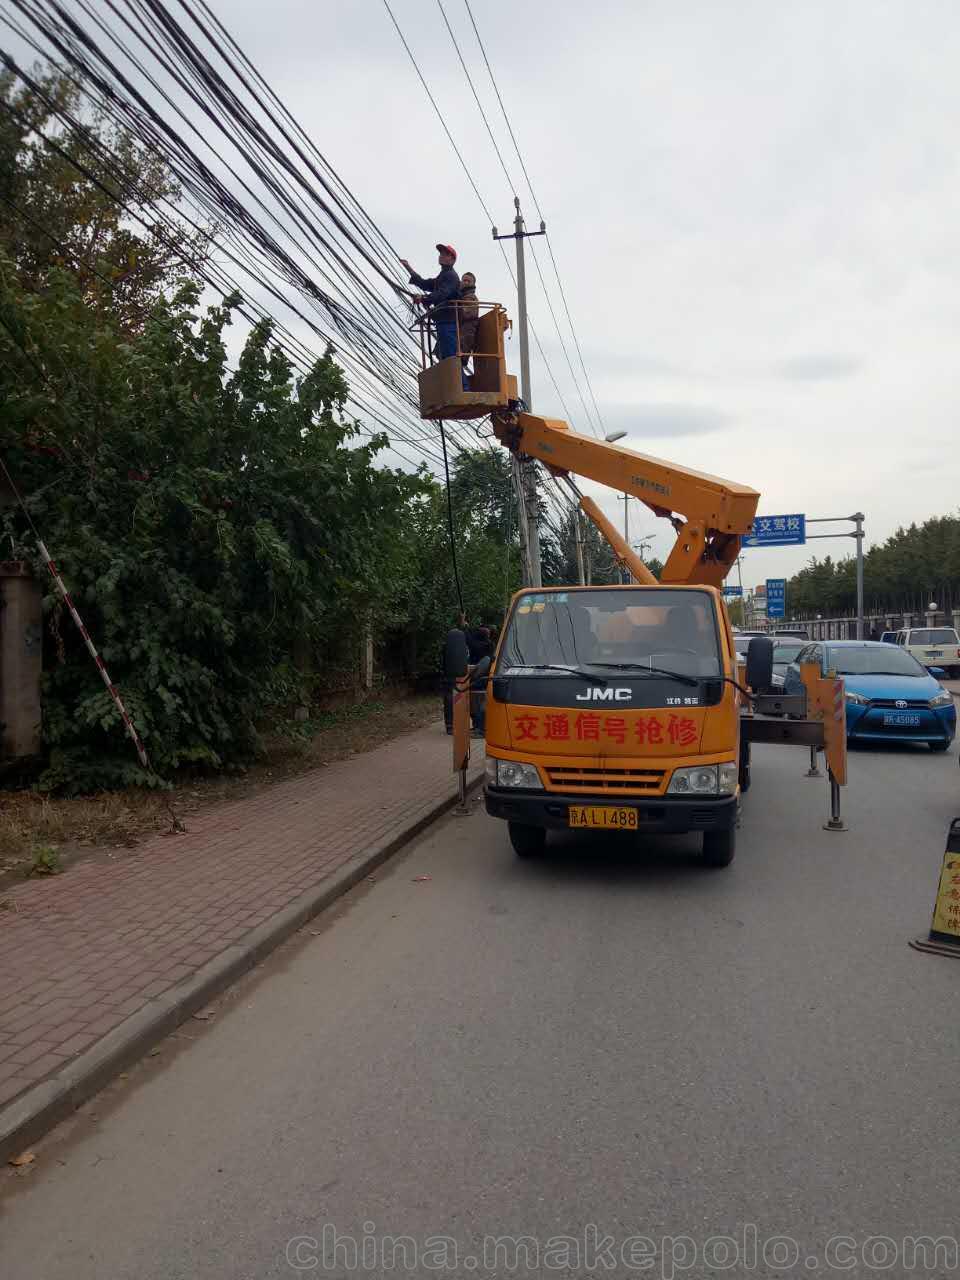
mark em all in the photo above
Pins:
pixel 901 718
pixel 934 653
pixel 603 816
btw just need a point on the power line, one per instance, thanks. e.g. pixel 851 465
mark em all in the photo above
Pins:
pixel 512 187
pixel 490 218
pixel 119 111
pixel 476 98
pixel 374 345
pixel 523 167
pixel 563 345
pixel 453 539
pixel 439 114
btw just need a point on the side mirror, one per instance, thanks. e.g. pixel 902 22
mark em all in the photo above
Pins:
pixel 480 672
pixel 760 663
pixel 456 655
pixel 500 688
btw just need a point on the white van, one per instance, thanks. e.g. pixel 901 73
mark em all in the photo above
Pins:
pixel 933 647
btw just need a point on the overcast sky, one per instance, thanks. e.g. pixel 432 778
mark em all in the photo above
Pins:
pixel 754 206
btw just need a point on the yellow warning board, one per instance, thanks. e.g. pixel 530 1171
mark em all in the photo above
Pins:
pixel 946 913
pixel 826 702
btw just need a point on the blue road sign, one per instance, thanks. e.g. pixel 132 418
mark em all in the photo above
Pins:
pixel 733 591
pixel 776 597
pixel 777 531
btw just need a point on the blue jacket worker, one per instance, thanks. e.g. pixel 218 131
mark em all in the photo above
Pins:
pixel 441 295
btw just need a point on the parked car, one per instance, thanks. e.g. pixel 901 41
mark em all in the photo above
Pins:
pixel 933 647
pixel 801 633
pixel 891 697
pixel 785 651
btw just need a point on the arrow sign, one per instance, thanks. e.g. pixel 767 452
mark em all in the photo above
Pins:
pixel 777 531
pixel 776 597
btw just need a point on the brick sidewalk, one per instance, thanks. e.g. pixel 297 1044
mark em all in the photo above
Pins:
pixel 82 951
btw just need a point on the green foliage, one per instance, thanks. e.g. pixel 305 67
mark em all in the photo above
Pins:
pixel 912 567
pixel 44 861
pixel 210 524
pixel 227 539
pixel 488 552
pixel 71 200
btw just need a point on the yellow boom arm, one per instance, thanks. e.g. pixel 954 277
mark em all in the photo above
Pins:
pixel 710 515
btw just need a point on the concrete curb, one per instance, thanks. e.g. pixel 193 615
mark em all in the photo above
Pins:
pixel 32 1113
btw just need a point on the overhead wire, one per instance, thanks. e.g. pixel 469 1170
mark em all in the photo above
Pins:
pixel 536 203
pixel 375 347
pixel 396 382
pixel 273 213
pixel 513 189
pixel 476 190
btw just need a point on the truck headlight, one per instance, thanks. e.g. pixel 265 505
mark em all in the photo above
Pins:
pixel 705 780
pixel 943 699
pixel 511 773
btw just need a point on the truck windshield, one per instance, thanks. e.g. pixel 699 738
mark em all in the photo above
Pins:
pixel 673 630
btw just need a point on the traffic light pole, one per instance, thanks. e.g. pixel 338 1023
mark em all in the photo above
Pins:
pixel 525 477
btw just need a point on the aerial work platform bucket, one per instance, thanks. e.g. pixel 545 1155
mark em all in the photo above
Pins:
pixel 442 394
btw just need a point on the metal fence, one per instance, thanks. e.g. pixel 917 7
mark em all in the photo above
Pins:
pixel 845 628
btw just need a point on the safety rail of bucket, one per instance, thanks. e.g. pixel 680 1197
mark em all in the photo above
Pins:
pixel 446 389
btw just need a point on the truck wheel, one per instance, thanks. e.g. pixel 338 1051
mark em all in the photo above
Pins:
pixel 719 847
pixel 527 841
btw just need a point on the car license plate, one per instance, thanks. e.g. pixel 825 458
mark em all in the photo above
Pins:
pixel 605 817
pixel 934 653
pixel 901 718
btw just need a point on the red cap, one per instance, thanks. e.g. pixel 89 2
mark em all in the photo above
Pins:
pixel 447 248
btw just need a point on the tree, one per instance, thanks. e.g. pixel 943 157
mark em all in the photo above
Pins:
pixel 210 523
pixel 82 199
pixel 902 574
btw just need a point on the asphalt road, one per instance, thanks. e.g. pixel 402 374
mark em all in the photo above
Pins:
pixel 603 1043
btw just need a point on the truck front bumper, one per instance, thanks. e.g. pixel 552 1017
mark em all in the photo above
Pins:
pixel 675 814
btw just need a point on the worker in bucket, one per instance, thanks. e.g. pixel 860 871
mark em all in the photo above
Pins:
pixel 441 296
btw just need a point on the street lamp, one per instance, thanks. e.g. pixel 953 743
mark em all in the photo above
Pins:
pixel 613 436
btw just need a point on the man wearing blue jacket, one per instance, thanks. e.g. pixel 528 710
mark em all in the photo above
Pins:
pixel 441 293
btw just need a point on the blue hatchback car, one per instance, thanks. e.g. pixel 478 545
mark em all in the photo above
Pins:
pixel 890 696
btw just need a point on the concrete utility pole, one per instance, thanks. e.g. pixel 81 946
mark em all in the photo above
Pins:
pixel 624 573
pixel 627 575
pixel 525 477
pixel 578 530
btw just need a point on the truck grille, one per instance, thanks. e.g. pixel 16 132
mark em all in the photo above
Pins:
pixel 613 779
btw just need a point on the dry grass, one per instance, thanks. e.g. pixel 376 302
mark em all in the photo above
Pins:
pixel 75 824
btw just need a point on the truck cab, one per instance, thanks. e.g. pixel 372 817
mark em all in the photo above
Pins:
pixel 616 708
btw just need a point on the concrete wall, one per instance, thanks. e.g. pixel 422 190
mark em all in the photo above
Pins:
pixel 21 660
